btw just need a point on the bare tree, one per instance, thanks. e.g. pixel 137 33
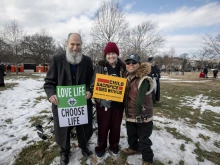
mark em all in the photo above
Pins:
pixel 145 40
pixel 212 45
pixel 184 59
pixel 4 48
pixel 109 24
pixel 13 35
pixel 39 47
pixel 61 47
pixel 94 51
pixel 201 56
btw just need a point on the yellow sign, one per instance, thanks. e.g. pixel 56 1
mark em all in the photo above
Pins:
pixel 109 87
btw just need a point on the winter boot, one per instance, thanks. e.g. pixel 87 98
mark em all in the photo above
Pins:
pixel 129 151
pixel 146 163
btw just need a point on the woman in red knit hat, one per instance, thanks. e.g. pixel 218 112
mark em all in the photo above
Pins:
pixel 109 113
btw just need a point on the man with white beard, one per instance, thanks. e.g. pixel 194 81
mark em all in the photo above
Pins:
pixel 71 68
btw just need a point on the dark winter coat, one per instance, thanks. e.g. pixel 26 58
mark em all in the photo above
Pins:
pixel 155 73
pixel 215 71
pixel 59 74
pixel 2 71
pixel 205 70
pixel 9 67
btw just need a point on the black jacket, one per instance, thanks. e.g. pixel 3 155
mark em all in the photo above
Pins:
pixel 155 74
pixel 2 70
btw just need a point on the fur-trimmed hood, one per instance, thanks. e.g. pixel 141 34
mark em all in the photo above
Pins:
pixel 143 70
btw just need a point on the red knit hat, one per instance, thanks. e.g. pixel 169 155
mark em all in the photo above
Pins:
pixel 111 47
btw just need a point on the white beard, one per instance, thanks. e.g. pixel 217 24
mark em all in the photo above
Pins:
pixel 73 58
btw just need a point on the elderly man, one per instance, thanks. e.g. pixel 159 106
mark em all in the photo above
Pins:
pixel 71 68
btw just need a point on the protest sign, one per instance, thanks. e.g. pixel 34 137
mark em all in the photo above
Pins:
pixel 72 107
pixel 109 87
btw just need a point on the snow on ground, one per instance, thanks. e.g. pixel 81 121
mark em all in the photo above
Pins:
pixel 168 79
pixel 200 102
pixel 18 105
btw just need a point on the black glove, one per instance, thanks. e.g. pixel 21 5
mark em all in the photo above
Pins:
pixel 140 118
pixel 105 103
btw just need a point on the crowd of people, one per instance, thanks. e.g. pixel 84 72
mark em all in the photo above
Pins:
pixel 204 72
pixel 74 68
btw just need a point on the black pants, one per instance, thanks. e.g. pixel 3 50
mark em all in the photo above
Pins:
pixel 84 132
pixel 138 139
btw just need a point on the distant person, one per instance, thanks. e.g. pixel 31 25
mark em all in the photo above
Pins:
pixel 109 113
pixel 9 68
pixel 215 72
pixel 202 75
pixel 2 74
pixel 155 75
pixel 182 71
pixel 177 71
pixel 205 70
pixel 139 109
pixel 69 69
pixel 169 71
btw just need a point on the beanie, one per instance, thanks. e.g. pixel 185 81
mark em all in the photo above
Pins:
pixel 111 47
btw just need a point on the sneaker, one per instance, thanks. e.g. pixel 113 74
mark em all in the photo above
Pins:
pixel 129 151
pixel 99 155
pixel 64 159
pixel 85 152
pixel 114 153
pixel 146 163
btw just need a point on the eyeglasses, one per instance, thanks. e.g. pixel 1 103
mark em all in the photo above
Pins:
pixel 131 62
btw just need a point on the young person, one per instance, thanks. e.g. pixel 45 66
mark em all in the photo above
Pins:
pixel 139 108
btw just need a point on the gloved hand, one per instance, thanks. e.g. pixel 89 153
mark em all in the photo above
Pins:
pixel 105 103
pixel 140 118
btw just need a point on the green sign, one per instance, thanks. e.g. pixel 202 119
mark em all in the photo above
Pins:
pixel 72 106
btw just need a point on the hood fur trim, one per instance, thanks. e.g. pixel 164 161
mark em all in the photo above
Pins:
pixel 151 82
pixel 144 70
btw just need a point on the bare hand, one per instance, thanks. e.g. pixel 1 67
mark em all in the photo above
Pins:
pixel 88 95
pixel 53 99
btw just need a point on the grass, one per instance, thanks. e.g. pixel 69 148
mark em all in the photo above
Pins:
pixel 211 156
pixel 171 106
pixel 38 99
pixel 42 152
pixel 8 86
pixel 182 147
pixel 177 135
pixel 9 121
pixel 24 138
pixel 205 138
pixel 45 111
pixel 217 144
pixel 37 120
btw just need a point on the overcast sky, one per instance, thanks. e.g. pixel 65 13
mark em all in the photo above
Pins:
pixel 183 23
